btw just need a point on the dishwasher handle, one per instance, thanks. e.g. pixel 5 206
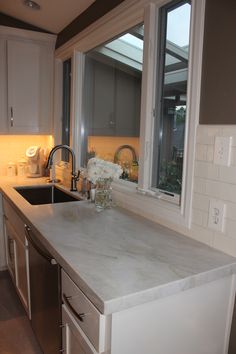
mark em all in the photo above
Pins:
pixel 38 249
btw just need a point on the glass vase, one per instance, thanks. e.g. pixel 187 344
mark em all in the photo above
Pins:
pixel 103 193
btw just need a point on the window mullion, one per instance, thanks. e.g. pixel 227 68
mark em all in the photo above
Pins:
pixel 76 104
pixel 148 96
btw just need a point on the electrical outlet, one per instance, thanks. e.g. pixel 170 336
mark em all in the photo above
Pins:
pixel 216 215
pixel 222 150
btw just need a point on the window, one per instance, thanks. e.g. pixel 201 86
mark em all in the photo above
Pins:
pixel 65 139
pixel 111 101
pixel 164 134
pixel 171 98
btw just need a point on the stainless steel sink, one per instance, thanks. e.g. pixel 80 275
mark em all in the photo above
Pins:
pixel 37 195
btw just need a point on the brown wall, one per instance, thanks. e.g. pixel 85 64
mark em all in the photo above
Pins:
pixel 9 21
pixel 90 15
pixel 218 92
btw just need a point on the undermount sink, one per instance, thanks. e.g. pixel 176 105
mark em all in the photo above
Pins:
pixel 37 195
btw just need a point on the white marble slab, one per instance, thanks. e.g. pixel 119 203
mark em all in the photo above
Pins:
pixel 119 259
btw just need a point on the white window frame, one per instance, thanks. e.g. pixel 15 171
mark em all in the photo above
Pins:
pixel 142 200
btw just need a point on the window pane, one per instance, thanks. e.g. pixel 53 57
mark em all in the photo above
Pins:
pixel 112 96
pixel 66 107
pixel 171 98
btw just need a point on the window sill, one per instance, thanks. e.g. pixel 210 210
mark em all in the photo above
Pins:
pixel 151 207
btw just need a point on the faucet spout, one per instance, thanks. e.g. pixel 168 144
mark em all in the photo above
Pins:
pixel 74 175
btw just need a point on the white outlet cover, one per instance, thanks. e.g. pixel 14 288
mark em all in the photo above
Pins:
pixel 222 150
pixel 216 215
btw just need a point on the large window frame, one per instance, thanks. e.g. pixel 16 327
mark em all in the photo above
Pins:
pixel 142 199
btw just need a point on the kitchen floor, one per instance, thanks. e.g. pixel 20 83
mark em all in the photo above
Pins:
pixel 16 335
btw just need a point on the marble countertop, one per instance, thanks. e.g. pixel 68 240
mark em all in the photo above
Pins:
pixel 119 259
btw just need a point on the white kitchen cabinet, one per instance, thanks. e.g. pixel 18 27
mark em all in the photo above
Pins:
pixel 2 241
pixel 194 321
pixel 73 339
pixel 85 327
pixel 112 102
pixel 17 253
pixel 3 85
pixel 26 88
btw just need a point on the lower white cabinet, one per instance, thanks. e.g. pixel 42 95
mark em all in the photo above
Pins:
pixel 86 325
pixel 194 321
pixel 74 340
pixel 17 254
pixel 10 244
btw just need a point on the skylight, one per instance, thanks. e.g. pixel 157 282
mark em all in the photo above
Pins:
pixel 132 40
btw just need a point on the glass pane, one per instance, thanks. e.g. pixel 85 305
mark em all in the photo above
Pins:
pixel 172 95
pixel 111 102
pixel 66 108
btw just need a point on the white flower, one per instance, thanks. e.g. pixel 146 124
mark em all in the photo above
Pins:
pixel 98 168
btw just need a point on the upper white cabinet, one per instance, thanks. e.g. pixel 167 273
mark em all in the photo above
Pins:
pixel 26 88
pixel 112 102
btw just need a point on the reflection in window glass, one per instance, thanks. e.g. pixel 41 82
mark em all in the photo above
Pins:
pixel 111 102
pixel 172 95
pixel 66 108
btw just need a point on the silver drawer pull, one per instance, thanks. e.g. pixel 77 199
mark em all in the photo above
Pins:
pixel 79 316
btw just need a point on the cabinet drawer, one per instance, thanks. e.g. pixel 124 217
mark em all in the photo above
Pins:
pixel 74 341
pixel 15 219
pixel 90 320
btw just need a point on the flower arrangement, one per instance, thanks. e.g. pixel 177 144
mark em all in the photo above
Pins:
pixel 98 169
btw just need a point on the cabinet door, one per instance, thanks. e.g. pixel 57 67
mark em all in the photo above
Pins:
pixel 74 341
pixel 103 105
pixel 10 249
pixel 3 87
pixel 128 89
pixel 23 86
pixel 17 261
pixel 22 274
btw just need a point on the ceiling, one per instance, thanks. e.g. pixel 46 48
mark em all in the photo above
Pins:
pixel 53 16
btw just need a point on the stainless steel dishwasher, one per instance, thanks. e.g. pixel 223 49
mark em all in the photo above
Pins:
pixel 45 295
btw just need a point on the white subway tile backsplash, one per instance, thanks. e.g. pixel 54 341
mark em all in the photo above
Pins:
pixel 227 192
pixel 201 152
pixel 213 189
pixel 214 182
pixel 202 234
pixel 210 153
pixel 206 134
pixel 199 185
pixel 206 170
pixel 233 156
pixel 224 243
pixel 201 202
pixel 230 228
pixel 231 211
pixel 227 174
pixel 199 217
pixel 230 130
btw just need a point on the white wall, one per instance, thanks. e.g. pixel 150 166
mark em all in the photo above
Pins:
pixel 212 181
